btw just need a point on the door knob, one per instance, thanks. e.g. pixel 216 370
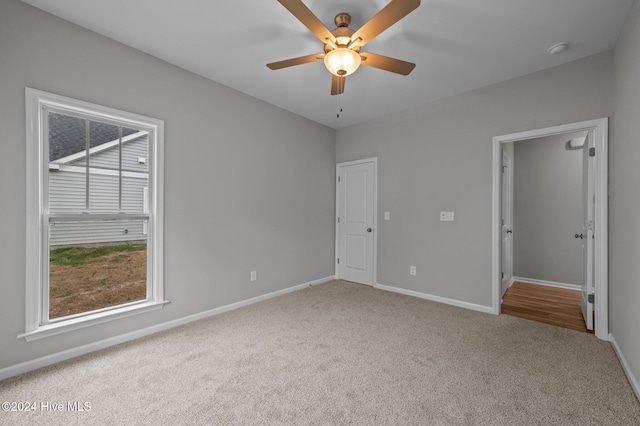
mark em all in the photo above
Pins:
pixel 369 229
pixel 579 236
pixel 509 231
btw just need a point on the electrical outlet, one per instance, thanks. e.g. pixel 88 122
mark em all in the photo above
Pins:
pixel 446 216
pixel 254 275
pixel 412 270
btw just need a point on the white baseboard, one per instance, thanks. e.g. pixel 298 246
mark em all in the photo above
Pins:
pixel 635 385
pixel 547 283
pixel 467 305
pixel 44 361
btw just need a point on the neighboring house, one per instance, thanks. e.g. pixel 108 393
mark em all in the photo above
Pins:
pixel 108 178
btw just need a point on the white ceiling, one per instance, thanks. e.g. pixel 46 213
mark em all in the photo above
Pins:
pixel 457 45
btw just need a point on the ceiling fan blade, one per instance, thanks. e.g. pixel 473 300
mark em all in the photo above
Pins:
pixel 337 84
pixel 388 15
pixel 295 61
pixel 306 16
pixel 386 63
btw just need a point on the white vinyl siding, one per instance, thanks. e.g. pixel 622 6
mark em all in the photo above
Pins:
pixel 131 150
pixel 67 194
pixel 104 193
pixel 74 233
pixel 133 194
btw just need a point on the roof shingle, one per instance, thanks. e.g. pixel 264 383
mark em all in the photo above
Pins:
pixel 67 135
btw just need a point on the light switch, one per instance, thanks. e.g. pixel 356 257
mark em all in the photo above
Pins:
pixel 387 215
pixel 446 216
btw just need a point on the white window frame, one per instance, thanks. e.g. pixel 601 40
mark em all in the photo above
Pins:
pixel 37 263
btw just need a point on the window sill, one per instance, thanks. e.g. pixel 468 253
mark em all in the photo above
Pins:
pixel 89 320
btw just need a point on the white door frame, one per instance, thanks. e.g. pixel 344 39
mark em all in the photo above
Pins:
pixel 599 127
pixel 373 160
pixel 508 268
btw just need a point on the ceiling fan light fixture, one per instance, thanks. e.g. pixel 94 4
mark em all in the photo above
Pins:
pixel 342 61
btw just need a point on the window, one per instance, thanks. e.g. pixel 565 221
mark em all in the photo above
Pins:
pixel 94 214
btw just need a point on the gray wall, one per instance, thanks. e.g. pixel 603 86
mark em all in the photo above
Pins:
pixel 438 158
pixel 547 210
pixel 249 186
pixel 624 211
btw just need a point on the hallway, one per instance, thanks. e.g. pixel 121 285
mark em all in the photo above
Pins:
pixel 550 305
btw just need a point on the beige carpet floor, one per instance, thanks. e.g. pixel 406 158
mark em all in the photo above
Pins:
pixel 340 353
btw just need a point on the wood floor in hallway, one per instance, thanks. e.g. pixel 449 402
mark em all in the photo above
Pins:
pixel 550 305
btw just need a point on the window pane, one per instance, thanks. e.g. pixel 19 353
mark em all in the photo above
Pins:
pixel 104 191
pixel 67 191
pixel 104 141
pixel 95 265
pixel 66 136
pixel 135 152
pixel 135 176
pixel 67 184
pixel 104 168
pixel 134 197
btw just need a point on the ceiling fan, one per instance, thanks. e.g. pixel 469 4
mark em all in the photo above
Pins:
pixel 342 54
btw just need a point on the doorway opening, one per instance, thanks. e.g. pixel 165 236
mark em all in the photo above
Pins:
pixel 542 209
pixel 591 248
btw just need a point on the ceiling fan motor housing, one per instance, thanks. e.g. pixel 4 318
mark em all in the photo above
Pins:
pixel 343 39
pixel 342 20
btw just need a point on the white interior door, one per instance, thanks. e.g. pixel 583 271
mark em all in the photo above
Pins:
pixel 356 221
pixel 507 233
pixel 587 235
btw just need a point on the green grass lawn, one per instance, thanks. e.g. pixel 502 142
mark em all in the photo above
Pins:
pixel 80 255
pixel 84 279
